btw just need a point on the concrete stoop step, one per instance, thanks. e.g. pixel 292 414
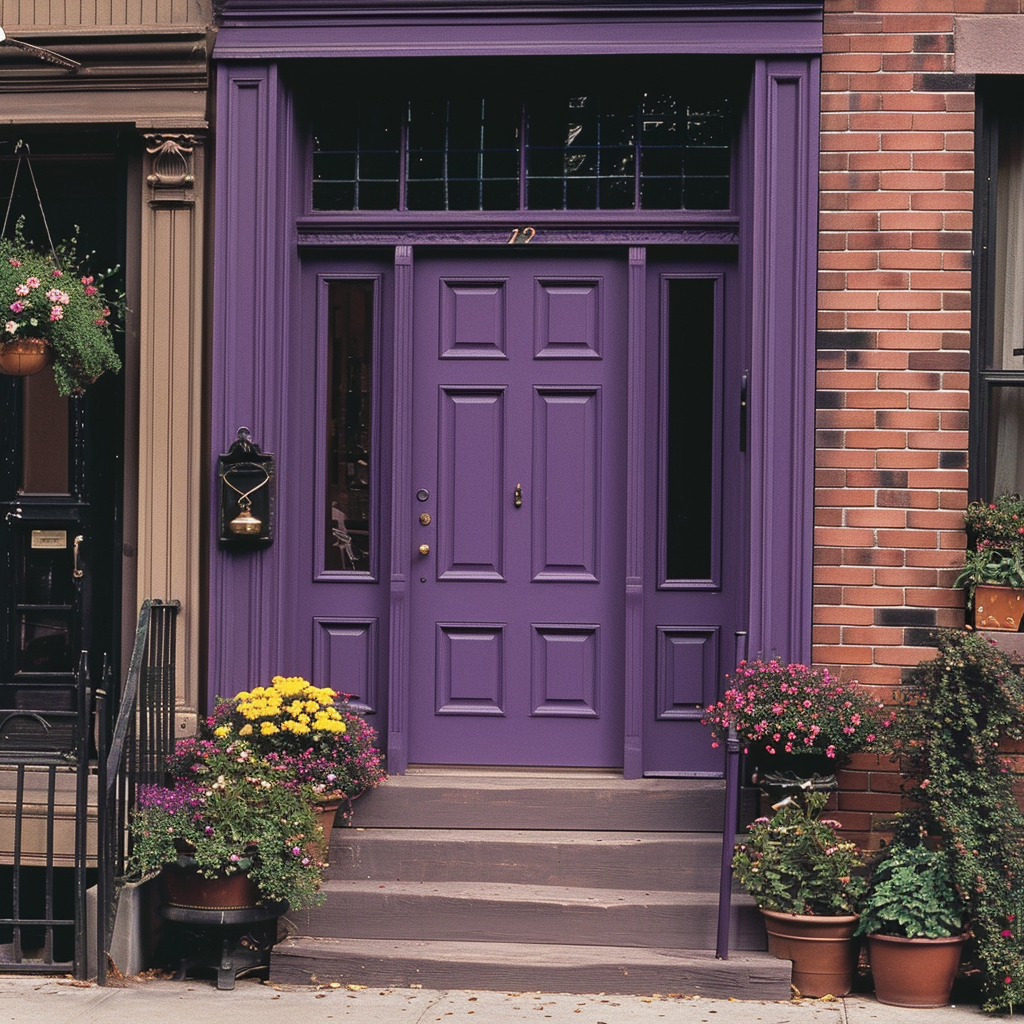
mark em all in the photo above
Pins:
pixel 561 881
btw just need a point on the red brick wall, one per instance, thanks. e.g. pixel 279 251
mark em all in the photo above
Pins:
pixel 897 158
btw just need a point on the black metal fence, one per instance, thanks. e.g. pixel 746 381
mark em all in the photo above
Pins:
pixel 44 835
pixel 67 786
pixel 140 742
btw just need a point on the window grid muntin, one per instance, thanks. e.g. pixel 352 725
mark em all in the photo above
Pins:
pixel 704 122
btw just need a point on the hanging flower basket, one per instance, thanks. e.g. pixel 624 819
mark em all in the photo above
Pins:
pixel 23 357
pixel 63 310
pixel 52 310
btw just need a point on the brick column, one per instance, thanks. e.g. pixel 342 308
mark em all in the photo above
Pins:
pixel 896 179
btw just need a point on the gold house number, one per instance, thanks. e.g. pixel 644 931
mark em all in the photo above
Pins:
pixel 522 236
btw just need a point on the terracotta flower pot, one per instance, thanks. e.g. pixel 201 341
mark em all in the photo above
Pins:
pixel 21 357
pixel 914 972
pixel 823 950
pixel 185 887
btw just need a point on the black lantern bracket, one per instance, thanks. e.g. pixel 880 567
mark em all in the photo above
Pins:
pixel 247 483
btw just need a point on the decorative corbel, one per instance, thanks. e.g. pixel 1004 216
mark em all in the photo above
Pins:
pixel 171 174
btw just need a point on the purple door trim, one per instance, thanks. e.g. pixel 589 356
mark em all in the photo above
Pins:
pixel 258 165
pixel 632 766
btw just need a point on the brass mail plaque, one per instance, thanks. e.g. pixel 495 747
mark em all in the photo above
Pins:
pixel 49 538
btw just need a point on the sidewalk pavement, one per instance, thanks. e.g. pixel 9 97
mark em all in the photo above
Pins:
pixel 138 1000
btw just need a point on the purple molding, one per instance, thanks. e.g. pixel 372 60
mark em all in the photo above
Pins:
pixel 401 520
pixel 785 167
pixel 632 767
pixel 249 363
pixel 253 29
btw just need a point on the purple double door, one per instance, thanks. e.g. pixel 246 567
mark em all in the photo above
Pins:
pixel 561 429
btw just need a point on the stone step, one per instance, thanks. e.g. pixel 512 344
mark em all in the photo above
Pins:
pixel 495 911
pixel 584 801
pixel 654 860
pixel 528 967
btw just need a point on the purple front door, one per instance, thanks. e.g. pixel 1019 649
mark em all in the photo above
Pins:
pixel 518 470
pixel 573 585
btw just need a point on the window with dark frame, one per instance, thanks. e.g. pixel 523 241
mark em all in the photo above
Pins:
pixel 997 398
pixel 608 134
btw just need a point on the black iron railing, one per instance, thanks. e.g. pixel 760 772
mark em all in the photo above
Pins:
pixel 45 848
pixel 140 741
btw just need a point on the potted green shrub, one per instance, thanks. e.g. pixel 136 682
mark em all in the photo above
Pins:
pixel 993 572
pixel 805 881
pixel 958 711
pixel 53 311
pixel 913 919
pixel 229 832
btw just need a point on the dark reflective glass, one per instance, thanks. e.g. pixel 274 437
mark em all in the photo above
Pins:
pixel 691 407
pixel 348 430
pixel 603 122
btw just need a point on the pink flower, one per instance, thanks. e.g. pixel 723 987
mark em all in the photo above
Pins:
pixel 57 313
pixel 56 295
pixel 17 307
pixel 21 289
pixel 15 263
pixel 87 280
pixel 10 327
pixel 91 289
pixel 1006 933
pixel 58 273
pixel 33 282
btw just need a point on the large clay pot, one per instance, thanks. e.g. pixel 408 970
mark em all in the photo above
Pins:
pixel 185 887
pixel 914 972
pixel 823 950
pixel 22 357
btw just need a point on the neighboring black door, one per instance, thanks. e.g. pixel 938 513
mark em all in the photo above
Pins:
pixel 61 461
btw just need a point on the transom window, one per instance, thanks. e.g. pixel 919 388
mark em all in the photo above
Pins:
pixel 528 135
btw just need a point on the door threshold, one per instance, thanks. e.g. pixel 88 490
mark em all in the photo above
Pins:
pixel 507 771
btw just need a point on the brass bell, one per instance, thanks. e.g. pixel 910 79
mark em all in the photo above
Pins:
pixel 245 523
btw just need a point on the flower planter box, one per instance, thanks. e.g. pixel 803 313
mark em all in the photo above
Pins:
pixel 998 608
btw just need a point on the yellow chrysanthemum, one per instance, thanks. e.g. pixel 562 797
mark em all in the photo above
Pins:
pixel 268 729
pixel 246 730
pixel 222 731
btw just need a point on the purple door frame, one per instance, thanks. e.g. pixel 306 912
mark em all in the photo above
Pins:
pixel 261 202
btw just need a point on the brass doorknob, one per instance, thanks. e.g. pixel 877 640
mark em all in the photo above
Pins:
pixel 424 549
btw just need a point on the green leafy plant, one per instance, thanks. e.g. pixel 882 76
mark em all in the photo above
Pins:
pixel 52 297
pixel 995 537
pixel 992 567
pixel 911 894
pixel 956 710
pixel 796 709
pixel 995 524
pixel 228 811
pixel 795 862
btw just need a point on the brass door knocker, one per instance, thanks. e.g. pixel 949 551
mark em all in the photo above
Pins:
pixel 245 523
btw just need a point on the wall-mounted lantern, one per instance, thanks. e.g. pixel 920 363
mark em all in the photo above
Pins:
pixel 246 494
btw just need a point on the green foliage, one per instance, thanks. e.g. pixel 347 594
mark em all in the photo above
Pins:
pixel 911 894
pixel 51 296
pixel 995 534
pixel 991 566
pixel 996 524
pixel 795 862
pixel 229 811
pixel 957 708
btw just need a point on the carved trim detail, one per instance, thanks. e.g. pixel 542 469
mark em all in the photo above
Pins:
pixel 171 170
